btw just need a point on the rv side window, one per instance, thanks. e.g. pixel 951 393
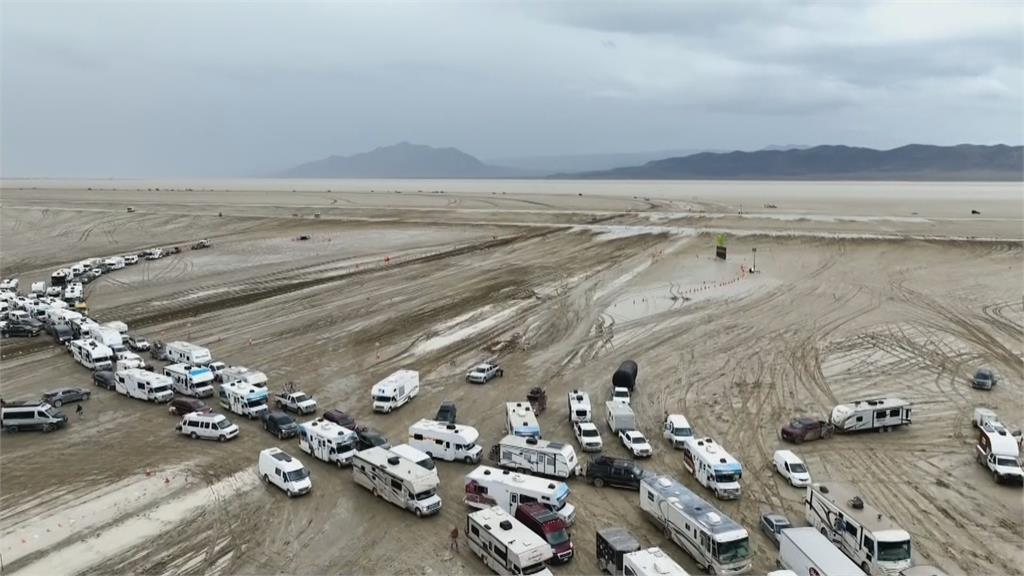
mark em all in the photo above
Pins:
pixel 628 571
pixel 417 436
pixel 523 499
pixel 396 485
pixel 879 413
pixel 650 496
pixel 851 528
pixel 860 418
pixel 894 412
pixel 474 530
pixel 438 442
pixel 499 552
pixel 869 545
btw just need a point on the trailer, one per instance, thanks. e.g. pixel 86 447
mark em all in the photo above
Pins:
pixel 882 414
pixel 625 375
pixel 619 416
pixel 998 452
pixel 533 456
pixel 805 551
pixel 187 353
pixel 92 354
pixel 520 420
pixel 579 407
pixel 239 375
pixel 505 545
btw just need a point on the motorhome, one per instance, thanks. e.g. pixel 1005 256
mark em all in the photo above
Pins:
pixel 73 291
pixel 713 467
pixel 195 381
pixel 107 336
pixel 533 456
pixel 651 562
pixel 114 263
pixel 154 254
pixel 998 452
pixel 486 486
pixel 417 457
pixel 505 545
pixel 805 551
pixel 882 414
pixel 327 441
pixel 143 385
pixel 244 400
pixel 121 328
pixel 867 536
pixel 38 288
pixel 619 416
pixel 451 442
pixel 188 353
pixel 61 316
pixel 92 354
pixel 676 430
pixel 81 326
pixel 61 277
pixel 717 543
pixel 395 391
pixel 130 259
pixel 579 407
pixel 397 480
pixel 520 420
pixel 240 375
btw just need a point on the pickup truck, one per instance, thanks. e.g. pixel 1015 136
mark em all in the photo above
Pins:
pixel 802 429
pixel 297 402
pixel 484 373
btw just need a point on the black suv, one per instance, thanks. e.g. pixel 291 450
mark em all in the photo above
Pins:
pixel 446 413
pixel 618 472
pixel 280 424
pixel 21 330
pixel 368 438
pixel 104 379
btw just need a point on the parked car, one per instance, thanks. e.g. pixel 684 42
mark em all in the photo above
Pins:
pixel 984 379
pixel 280 424
pixel 138 343
pixel 588 436
pixel 369 438
pixel 182 405
pixel 804 428
pixel 208 426
pixel 157 351
pixel 21 330
pixel 61 396
pixel 446 412
pixel 340 418
pixel 616 472
pixel 636 443
pixel 772 523
pixel 63 334
pixel 104 379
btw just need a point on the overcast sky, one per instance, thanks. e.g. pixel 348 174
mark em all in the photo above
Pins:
pixel 237 88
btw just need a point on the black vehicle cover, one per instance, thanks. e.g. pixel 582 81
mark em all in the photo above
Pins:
pixel 625 376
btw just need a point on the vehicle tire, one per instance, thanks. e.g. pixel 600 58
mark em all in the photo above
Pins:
pixel 418 512
pixel 49 428
pixel 374 493
pixel 995 476
pixel 266 479
pixel 265 427
pixel 12 429
pixel 865 567
pixel 338 462
pixel 824 532
pixel 289 493
pixel 598 482
pixel 280 435
pixel 222 438
pixel 468 459
pixel 85 397
pixel 194 436
pixel 58 403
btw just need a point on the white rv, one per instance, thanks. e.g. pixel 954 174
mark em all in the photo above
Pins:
pixel 520 420
pixel 61 316
pixel 651 562
pixel 107 336
pixel 192 381
pixel 154 254
pixel 144 385
pixel 249 401
pixel 397 480
pixel 187 353
pixel 619 416
pixel 73 291
pixel 114 263
pixel 713 467
pixel 579 407
pixel 486 487
pixel 805 551
pixel 533 456
pixel 395 391
pixel 446 441
pixel 417 457
pixel 717 543
pixel 92 354
pixel 121 328
pixel 506 545
pixel 38 288
pixel 869 538
pixel 882 414
pixel 240 375
pixel 327 441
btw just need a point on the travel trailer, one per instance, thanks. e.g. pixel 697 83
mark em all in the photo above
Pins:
pixel 397 480
pixel 327 441
pixel 651 562
pixel 505 545
pixel 195 381
pixel 520 420
pixel 882 414
pixel 713 467
pixel 248 401
pixel 92 354
pixel 451 442
pixel 143 385
pixel 395 391
pixel 533 456
pixel 717 543
pixel 486 486
pixel 613 544
pixel 579 407
pixel 805 551
pixel 187 353
pixel 619 416
pixel 239 375
pixel 871 539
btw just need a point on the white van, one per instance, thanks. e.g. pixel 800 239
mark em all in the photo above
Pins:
pixel 279 468
pixel 395 391
pixel 677 430
pixel 207 426
pixel 792 468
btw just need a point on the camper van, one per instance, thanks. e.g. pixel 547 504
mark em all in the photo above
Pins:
pixel 869 538
pixel 240 375
pixel 533 456
pixel 882 414
pixel 192 381
pixel 187 353
pixel 451 442
pixel 92 354
pixel 143 385
pixel 114 263
pixel 579 407
pixel 713 467
pixel 280 469
pixel 486 486
pixel 717 543
pixel 520 420
pixel 327 441
pixel 417 457
pixel 107 336
pixel 505 545
pixel 397 480
pixel 208 426
pixel 121 328
pixel 248 401
pixel 395 391
pixel 997 450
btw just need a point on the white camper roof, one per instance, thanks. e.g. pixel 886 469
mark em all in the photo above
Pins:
pixel 683 499
pixel 186 346
pixel 399 466
pixel 327 430
pixel 840 495
pixel 468 434
pixel 393 380
pixel 520 540
pixel 536 443
pixel 678 421
pixel 524 482
pixel 618 409
pixel 579 400
pixel 656 561
pixel 828 558
pixel 873 404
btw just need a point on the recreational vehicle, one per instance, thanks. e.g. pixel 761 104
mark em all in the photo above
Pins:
pixel 449 442
pixel 579 407
pixel 327 441
pixel 486 486
pixel 61 277
pixel 192 381
pixel 187 353
pixel 143 385
pixel 651 562
pixel 505 545
pixel 279 468
pixel 397 480
pixel 520 420
pixel 713 467
pixel 882 414
pixel 107 336
pixel 121 328
pixel 805 551
pixel 395 391
pixel 717 543
pixel 240 375
pixel 997 450
pixel 619 416
pixel 533 456
pixel 417 457
pixel 92 354
pixel 248 401
pixel 869 538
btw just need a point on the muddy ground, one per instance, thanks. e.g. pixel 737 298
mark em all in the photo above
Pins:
pixel 559 290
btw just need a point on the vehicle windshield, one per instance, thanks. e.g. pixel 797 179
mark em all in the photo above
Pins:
pixel 346 447
pixel 427 463
pixel 1007 462
pixel 724 477
pixel 639 440
pixel 382 398
pixel 893 551
pixel 797 468
pixel 799 424
pixel 589 432
pixel 683 432
pixel 255 403
pixel 296 475
pixel 424 495
pixel 160 389
pixel 222 424
pixel 53 413
pixel 533 568
pixel 300 397
pixel 559 537
pixel 733 551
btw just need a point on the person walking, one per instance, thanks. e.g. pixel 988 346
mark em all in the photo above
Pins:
pixel 453 546
pixel 80 411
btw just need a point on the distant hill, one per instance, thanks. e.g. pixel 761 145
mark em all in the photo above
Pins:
pixel 550 164
pixel 402 160
pixel 912 162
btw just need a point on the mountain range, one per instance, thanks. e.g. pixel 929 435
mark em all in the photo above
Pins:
pixel 403 160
